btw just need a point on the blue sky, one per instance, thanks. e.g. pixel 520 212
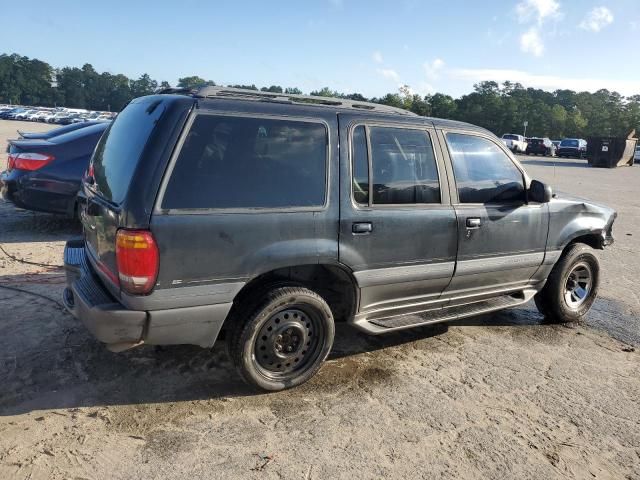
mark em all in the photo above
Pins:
pixel 371 47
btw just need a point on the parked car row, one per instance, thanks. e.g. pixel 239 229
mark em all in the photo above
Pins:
pixel 64 116
pixel 569 147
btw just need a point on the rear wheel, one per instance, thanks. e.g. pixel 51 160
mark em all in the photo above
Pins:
pixel 572 286
pixel 281 341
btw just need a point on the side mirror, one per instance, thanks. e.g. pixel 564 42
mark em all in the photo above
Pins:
pixel 540 192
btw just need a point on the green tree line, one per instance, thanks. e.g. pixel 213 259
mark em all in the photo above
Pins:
pixel 501 108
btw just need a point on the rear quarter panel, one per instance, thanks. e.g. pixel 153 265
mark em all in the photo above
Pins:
pixel 210 254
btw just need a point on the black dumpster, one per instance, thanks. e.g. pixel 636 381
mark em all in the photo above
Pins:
pixel 611 152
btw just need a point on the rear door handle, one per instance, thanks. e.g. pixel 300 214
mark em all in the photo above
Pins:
pixel 473 222
pixel 361 228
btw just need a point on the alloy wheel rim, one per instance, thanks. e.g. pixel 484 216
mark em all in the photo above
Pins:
pixel 578 285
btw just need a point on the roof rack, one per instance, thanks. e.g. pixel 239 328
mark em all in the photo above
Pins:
pixel 245 94
pixel 170 90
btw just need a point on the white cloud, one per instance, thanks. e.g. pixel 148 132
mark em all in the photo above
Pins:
pixel 536 12
pixel 432 69
pixel 531 42
pixel 547 82
pixel 539 10
pixel 597 19
pixel 377 57
pixel 389 74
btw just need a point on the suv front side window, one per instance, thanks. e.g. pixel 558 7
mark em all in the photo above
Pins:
pixel 483 172
pixel 403 166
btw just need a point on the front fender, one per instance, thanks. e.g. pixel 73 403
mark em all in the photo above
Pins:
pixel 570 219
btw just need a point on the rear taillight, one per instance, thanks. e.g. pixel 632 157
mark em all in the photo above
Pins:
pixel 29 161
pixel 138 260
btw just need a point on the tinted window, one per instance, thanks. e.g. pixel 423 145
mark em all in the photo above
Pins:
pixel 510 137
pixel 119 150
pixel 404 166
pixel 569 143
pixel 235 162
pixel 483 172
pixel 360 166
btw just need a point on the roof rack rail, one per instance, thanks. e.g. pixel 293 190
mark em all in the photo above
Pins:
pixel 170 90
pixel 245 94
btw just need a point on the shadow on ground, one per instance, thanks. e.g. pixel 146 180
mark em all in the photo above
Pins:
pixel 555 163
pixel 23 226
pixel 64 367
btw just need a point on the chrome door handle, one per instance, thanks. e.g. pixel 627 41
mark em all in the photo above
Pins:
pixel 473 222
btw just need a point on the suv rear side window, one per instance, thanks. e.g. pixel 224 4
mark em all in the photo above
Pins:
pixel 483 172
pixel 118 152
pixel 403 166
pixel 241 162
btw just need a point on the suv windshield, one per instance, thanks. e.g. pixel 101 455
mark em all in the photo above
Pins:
pixel 510 137
pixel 569 143
pixel 119 150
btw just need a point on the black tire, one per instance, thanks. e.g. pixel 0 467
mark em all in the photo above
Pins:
pixel 559 301
pixel 281 340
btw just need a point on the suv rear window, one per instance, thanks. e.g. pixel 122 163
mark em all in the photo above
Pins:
pixel 119 150
pixel 241 162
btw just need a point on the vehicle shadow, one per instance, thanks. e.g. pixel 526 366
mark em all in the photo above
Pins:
pixel 49 361
pixel 24 226
pixel 564 163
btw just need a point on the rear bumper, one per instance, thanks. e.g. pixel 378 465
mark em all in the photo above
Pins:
pixel 17 187
pixel 89 302
pixel 112 323
pixel 570 152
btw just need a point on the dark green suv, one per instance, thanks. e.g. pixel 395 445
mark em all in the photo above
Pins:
pixel 274 216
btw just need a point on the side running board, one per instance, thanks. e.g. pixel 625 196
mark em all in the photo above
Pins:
pixel 378 326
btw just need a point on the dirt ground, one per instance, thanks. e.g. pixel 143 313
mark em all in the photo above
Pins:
pixel 498 396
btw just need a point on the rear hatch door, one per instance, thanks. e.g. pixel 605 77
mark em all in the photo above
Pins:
pixel 114 196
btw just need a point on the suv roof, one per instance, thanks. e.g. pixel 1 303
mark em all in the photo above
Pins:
pixel 207 95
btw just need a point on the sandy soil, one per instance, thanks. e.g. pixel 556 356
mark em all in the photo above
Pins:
pixel 498 396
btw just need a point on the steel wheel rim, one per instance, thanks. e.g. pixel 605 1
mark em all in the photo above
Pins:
pixel 578 285
pixel 288 342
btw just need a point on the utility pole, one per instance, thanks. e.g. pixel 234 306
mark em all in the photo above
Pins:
pixel 526 124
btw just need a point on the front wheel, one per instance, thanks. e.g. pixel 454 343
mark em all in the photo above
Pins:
pixel 283 339
pixel 572 286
